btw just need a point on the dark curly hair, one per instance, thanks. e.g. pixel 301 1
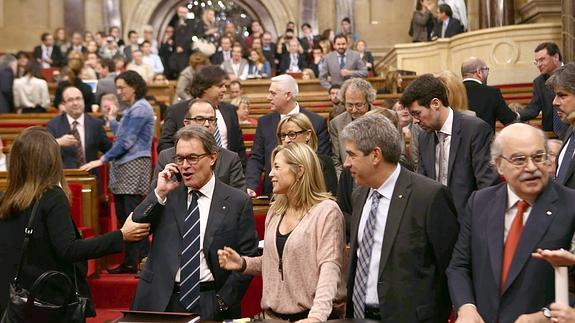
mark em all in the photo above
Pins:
pixel 135 81
pixel 205 78
pixel 424 89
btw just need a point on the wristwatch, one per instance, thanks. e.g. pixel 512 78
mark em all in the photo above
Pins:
pixel 222 307
pixel 546 312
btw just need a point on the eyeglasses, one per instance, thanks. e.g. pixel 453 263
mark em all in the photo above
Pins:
pixel 485 68
pixel 76 99
pixel 291 135
pixel 522 160
pixel 202 120
pixel 356 106
pixel 191 159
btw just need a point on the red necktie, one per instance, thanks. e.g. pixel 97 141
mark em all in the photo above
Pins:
pixel 512 241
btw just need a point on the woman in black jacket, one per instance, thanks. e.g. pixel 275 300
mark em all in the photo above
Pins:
pixel 36 172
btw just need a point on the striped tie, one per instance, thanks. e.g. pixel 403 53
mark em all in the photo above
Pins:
pixel 364 258
pixel 78 148
pixel 218 137
pixel 190 260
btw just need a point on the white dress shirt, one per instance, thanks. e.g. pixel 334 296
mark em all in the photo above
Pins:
pixel 386 190
pixel 511 210
pixel 446 129
pixel 221 123
pixel 46 55
pixel 80 128
pixel 562 156
pixel 295 110
pixel 204 200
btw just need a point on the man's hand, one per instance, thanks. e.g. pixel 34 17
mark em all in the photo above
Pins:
pixel 468 314
pixel 251 192
pixel 556 258
pixel 345 72
pixel 536 317
pixel 165 182
pixel 562 313
pixel 179 50
pixel 67 140
pixel 132 231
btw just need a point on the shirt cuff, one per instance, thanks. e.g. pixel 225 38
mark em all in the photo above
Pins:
pixel 160 200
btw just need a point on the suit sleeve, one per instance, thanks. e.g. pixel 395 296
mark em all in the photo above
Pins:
pixel 104 143
pixel 324 73
pixel 442 227
pixel 257 159
pixel 336 156
pixel 235 132
pixel 323 142
pixel 168 131
pixel 361 69
pixel 420 164
pixel 484 172
pixel 236 285
pixel 162 162
pixel 237 178
pixel 503 113
pixel 459 275
pixel 148 210
pixel 63 233
pixel 532 110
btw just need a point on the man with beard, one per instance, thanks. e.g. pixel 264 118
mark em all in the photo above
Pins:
pixel 340 64
pixel 492 276
pixel 454 149
pixel 563 84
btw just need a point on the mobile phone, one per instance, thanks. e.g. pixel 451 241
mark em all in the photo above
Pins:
pixel 176 177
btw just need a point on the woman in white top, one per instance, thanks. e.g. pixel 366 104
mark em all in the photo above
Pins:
pixel 30 91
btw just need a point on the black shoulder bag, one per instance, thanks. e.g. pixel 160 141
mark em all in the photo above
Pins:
pixel 52 297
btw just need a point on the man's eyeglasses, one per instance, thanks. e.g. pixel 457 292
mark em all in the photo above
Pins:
pixel 202 120
pixel 191 159
pixel 484 68
pixel 356 106
pixel 522 160
pixel 291 135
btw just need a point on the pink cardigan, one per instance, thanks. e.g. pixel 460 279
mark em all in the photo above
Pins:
pixel 313 273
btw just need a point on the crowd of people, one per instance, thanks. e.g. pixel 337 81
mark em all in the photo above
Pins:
pixel 440 212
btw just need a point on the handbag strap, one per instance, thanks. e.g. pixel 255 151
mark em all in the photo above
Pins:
pixel 28 231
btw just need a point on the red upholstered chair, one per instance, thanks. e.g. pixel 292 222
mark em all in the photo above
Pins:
pixel 77 213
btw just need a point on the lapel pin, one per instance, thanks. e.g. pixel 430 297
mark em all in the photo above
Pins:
pixel 400 196
pixel 549 213
pixel 223 207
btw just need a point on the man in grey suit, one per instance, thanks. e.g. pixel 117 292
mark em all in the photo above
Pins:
pixel 237 67
pixel 340 64
pixel 192 217
pixel 357 96
pixel 403 230
pixel 454 149
pixel 106 83
pixel 228 167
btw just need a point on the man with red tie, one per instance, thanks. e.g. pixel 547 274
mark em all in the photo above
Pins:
pixel 492 276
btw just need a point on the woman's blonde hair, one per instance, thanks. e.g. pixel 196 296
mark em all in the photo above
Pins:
pixel 35 165
pixel 303 122
pixel 237 101
pixel 456 93
pixel 307 190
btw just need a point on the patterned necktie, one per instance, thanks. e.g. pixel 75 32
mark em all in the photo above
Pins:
pixel 190 258
pixel 512 241
pixel 218 137
pixel 364 258
pixel 558 125
pixel 79 150
pixel 442 162
pixel 341 61
pixel 566 162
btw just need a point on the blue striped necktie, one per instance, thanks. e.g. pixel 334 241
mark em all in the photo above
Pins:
pixel 218 136
pixel 364 258
pixel 190 259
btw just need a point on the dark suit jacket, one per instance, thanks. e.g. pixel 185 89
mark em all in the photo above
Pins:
pixel 6 92
pixel 58 59
pixel 265 141
pixel 55 245
pixel 420 232
pixel 218 57
pixel 303 41
pixel 285 61
pixel 271 55
pixel 228 167
pixel 488 104
pixel 175 120
pixel 469 167
pixel 475 270
pixel 569 179
pixel 94 136
pixel 230 223
pixel 542 101
pixel 454 27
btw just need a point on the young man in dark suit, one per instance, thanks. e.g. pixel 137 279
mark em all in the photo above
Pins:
pixel 492 275
pixel 192 217
pixel 486 101
pixel 403 230
pixel 454 149
pixel 283 99
pixel 47 54
pixel 228 167
pixel 209 84
pixel 446 26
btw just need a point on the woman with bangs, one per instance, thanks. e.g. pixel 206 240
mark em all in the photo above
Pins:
pixel 302 262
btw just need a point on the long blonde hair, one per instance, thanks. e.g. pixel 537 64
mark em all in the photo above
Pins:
pixel 309 189
pixel 456 92
pixel 35 165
